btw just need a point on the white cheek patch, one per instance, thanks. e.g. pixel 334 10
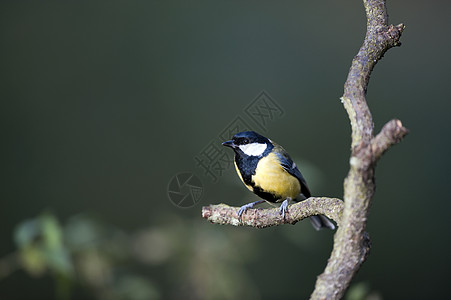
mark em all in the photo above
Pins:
pixel 254 149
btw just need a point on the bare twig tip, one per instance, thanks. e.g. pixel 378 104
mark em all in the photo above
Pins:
pixel 401 27
pixel 206 212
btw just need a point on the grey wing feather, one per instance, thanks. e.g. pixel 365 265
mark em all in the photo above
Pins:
pixel 289 166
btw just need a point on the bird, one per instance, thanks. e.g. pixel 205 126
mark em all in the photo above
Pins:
pixel 268 171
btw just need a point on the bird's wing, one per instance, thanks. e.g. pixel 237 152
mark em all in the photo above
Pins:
pixel 288 165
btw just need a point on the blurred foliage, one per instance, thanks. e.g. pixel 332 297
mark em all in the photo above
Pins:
pixel 103 102
pixel 362 291
pixel 41 249
pixel 100 257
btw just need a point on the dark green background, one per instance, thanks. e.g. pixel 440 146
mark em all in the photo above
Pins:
pixel 103 102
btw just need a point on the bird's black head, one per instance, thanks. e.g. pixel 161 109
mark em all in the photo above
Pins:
pixel 249 143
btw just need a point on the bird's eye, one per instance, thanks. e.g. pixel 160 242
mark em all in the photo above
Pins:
pixel 245 141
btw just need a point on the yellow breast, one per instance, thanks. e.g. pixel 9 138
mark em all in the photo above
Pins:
pixel 272 178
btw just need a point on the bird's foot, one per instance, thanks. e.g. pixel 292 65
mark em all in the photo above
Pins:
pixel 284 207
pixel 245 207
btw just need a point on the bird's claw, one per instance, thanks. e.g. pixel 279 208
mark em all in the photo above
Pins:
pixel 245 207
pixel 284 207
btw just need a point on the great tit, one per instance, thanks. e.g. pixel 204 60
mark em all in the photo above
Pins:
pixel 267 170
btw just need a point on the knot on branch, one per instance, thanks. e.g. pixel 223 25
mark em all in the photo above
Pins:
pixel 261 218
pixel 395 33
pixel 365 246
pixel 390 35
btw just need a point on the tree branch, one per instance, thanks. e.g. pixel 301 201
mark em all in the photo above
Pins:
pixel 351 242
pixel 261 218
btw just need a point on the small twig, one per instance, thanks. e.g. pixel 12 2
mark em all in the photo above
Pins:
pixel 391 134
pixel 261 218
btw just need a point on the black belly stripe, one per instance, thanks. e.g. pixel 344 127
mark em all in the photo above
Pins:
pixel 265 195
pixel 247 166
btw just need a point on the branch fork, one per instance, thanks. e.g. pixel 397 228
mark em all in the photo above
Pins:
pixel 351 242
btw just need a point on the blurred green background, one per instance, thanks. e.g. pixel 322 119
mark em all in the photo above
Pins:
pixel 104 102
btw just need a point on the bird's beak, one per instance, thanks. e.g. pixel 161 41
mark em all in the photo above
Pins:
pixel 230 144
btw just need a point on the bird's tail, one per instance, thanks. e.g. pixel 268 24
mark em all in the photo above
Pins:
pixel 318 221
pixel 321 221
